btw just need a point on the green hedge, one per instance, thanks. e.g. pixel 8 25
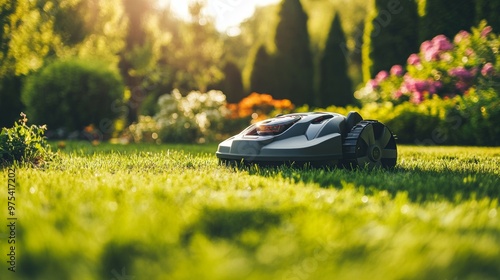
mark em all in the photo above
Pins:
pixel 390 35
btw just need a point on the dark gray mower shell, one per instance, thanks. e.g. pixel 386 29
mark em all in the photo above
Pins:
pixel 315 137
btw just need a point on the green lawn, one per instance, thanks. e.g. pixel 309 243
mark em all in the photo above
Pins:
pixel 171 212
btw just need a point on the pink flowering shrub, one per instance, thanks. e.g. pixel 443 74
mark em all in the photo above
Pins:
pixel 446 94
pixel 442 68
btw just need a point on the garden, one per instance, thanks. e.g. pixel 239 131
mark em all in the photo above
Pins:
pixel 109 168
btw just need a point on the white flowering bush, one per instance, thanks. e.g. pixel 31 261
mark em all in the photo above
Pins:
pixel 196 117
pixel 145 130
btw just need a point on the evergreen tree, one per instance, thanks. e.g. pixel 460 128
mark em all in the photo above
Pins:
pixel 261 75
pixel 390 35
pixel 488 10
pixel 232 85
pixel 294 71
pixel 335 84
pixel 448 18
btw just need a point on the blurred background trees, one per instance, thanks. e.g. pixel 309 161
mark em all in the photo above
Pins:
pixel 74 93
pixel 315 52
pixel 35 33
pixel 441 17
pixel 294 65
pixel 390 35
pixel 335 84
pixel 488 10
pixel 261 73
pixel 232 83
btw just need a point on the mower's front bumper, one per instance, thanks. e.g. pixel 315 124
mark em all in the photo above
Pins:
pixel 268 149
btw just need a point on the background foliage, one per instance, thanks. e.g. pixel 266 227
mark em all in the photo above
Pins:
pixel 73 94
pixel 446 94
pixel 293 54
pixel 335 84
pixel 389 35
pixel 197 117
pixel 442 18
pixel 310 51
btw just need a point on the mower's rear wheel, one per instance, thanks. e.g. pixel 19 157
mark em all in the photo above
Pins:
pixel 370 144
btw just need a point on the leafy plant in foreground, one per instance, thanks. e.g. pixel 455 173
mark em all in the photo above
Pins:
pixel 24 143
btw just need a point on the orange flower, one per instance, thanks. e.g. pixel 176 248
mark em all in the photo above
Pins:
pixel 260 104
pixel 89 128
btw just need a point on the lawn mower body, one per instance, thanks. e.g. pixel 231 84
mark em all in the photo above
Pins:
pixel 316 137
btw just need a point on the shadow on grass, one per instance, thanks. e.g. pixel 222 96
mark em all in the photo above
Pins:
pixel 420 184
pixel 230 224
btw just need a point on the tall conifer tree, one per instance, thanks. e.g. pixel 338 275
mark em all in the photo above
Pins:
pixel 390 35
pixel 448 18
pixel 489 10
pixel 261 75
pixel 335 84
pixel 232 84
pixel 294 71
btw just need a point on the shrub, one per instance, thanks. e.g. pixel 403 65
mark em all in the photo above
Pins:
pixel 463 120
pixel 474 119
pixel 194 118
pixel 411 123
pixel 23 143
pixel 442 68
pixel 448 93
pixel 145 130
pixel 73 94
pixel 421 124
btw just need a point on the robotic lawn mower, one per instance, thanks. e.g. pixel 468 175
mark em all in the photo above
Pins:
pixel 316 138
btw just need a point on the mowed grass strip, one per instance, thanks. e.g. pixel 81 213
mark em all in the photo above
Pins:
pixel 171 212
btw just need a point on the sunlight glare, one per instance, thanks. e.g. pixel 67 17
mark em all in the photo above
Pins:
pixel 228 14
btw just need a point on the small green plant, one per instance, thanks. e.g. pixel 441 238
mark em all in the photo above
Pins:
pixel 23 143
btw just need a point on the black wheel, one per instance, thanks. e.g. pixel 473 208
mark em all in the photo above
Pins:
pixel 370 144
